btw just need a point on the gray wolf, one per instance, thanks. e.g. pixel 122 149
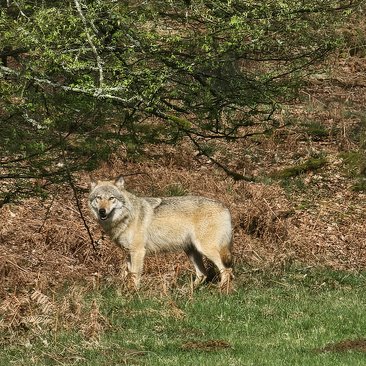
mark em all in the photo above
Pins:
pixel 197 225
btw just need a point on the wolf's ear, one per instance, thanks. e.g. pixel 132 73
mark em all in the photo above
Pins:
pixel 92 182
pixel 119 182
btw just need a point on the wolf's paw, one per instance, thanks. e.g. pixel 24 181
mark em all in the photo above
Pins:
pixel 199 280
pixel 226 283
pixel 130 281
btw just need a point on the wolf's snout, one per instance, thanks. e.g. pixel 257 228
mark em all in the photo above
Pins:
pixel 102 212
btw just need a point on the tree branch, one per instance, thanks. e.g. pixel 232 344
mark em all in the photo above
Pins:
pixel 96 93
pixel 236 176
pixel 90 41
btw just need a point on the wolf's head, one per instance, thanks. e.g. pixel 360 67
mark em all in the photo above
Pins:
pixel 106 198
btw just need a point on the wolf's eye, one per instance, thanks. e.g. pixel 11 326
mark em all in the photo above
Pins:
pixel 112 198
pixel 98 198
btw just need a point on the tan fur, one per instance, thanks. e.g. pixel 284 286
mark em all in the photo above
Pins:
pixel 197 225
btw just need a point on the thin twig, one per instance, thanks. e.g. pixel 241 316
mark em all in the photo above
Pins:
pixel 78 205
pixel 47 215
pixel 77 200
pixel 20 10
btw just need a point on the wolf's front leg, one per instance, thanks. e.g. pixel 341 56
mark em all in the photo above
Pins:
pixel 127 267
pixel 136 265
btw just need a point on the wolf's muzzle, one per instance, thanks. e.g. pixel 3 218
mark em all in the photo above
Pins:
pixel 102 213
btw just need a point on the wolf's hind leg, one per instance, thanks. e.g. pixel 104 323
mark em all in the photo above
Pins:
pixel 221 260
pixel 196 258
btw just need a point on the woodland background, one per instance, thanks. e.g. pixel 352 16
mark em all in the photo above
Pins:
pixel 258 104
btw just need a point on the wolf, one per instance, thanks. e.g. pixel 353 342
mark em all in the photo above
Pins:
pixel 195 224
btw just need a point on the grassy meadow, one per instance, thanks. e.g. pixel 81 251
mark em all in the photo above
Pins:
pixel 300 317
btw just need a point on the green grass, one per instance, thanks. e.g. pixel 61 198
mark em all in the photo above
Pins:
pixel 316 130
pixel 270 320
